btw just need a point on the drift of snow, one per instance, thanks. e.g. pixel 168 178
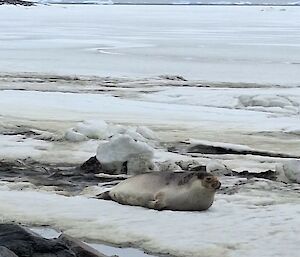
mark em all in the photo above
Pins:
pixel 123 149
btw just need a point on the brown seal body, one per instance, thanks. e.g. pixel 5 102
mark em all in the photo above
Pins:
pixel 180 191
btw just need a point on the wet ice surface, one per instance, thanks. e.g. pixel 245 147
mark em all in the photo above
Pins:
pixel 253 44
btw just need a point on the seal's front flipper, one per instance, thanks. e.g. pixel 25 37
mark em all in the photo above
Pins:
pixel 104 196
pixel 158 202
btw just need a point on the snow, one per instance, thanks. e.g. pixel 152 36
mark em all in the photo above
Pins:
pixel 100 130
pixel 177 2
pixel 106 115
pixel 74 136
pixel 291 170
pixel 63 119
pixel 73 107
pixel 15 147
pixel 271 99
pixel 93 129
pixel 146 132
pixel 217 168
pixel 266 220
pixel 122 149
pixel 104 40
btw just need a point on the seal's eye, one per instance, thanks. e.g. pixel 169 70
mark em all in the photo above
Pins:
pixel 209 179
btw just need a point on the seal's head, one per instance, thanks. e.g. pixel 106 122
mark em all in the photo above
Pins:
pixel 210 181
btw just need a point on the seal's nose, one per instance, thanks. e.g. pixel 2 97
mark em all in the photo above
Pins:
pixel 216 185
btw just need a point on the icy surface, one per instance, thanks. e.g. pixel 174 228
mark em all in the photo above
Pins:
pixel 262 45
pixel 63 119
pixel 177 2
pixel 212 117
pixel 291 170
pixel 105 249
pixel 266 220
pixel 122 149
pixel 217 168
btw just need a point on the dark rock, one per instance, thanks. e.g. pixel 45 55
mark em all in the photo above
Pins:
pixel 92 165
pixel 173 77
pixel 197 168
pixel 16 241
pixel 269 174
pixel 186 147
pixel 4 252
pixel 16 2
pixel 79 248
pixel 209 149
pixel 25 243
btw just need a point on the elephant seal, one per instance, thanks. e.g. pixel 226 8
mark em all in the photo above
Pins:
pixel 178 191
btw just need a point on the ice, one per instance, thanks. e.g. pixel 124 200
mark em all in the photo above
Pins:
pixel 74 136
pixel 109 250
pixel 63 119
pixel 293 130
pixel 272 103
pixel 18 147
pixel 211 124
pixel 71 107
pixel 262 46
pixel 100 130
pixel 266 220
pixel 272 99
pixel 217 168
pixel 124 149
pixel 292 170
pixel 178 2
pixel 88 130
pixel 146 132
pixel 93 129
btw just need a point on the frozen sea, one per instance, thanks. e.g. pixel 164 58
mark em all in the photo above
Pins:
pixel 71 67
pixel 210 43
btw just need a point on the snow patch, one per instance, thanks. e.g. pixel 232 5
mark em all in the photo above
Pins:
pixel 292 170
pixel 87 130
pixel 99 129
pixel 217 168
pixel 270 214
pixel 146 132
pixel 295 130
pixel 123 152
pixel 271 103
pixel 288 172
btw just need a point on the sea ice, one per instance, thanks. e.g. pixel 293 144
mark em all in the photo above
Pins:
pixel 123 149
pixel 217 168
pixel 266 213
pixel 292 170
